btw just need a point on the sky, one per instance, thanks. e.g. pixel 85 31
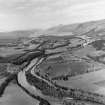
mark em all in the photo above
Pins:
pixel 31 14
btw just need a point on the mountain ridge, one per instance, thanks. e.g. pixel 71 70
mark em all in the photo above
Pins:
pixel 69 29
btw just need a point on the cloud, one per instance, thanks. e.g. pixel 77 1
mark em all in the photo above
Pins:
pixel 25 14
pixel 68 15
pixel 52 5
pixel 85 12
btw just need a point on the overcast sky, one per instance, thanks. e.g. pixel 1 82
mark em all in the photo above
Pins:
pixel 28 14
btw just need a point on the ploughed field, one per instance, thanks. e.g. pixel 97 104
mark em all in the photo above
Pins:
pixel 64 68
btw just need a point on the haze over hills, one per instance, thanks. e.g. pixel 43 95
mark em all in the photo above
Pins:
pixel 17 34
pixel 70 29
pixel 78 28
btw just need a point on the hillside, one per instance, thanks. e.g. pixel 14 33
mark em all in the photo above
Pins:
pixel 17 34
pixel 88 28
pixel 79 28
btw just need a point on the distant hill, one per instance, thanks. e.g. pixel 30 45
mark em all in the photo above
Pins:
pixel 79 28
pixel 17 34
pixel 92 28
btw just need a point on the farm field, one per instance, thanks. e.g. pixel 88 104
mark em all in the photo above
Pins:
pixel 81 65
pixel 87 82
